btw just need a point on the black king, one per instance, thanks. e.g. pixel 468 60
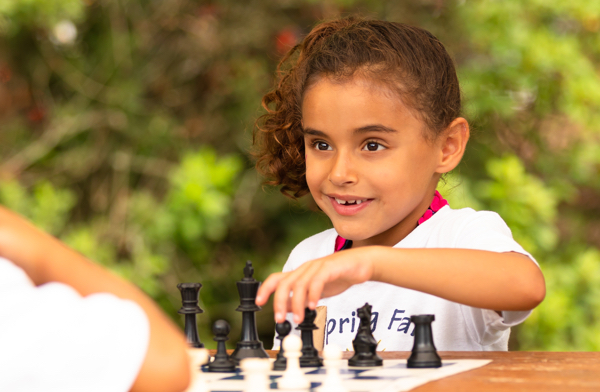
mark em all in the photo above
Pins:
pixel 249 345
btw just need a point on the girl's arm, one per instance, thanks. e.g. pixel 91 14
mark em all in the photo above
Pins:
pixel 483 279
pixel 45 259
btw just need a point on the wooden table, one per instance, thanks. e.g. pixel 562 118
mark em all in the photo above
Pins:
pixel 516 371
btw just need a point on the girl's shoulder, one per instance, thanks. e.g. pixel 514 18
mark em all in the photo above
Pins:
pixel 313 247
pixel 468 218
pixel 464 228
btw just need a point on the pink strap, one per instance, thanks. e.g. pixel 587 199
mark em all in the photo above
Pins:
pixel 339 243
pixel 437 203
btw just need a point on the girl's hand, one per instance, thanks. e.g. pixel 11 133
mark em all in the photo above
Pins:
pixel 313 280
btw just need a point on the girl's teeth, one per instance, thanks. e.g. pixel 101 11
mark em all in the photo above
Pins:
pixel 344 202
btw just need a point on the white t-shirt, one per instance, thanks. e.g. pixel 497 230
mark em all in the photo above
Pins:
pixel 456 327
pixel 52 339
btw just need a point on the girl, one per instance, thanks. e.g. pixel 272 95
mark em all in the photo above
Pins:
pixel 366 117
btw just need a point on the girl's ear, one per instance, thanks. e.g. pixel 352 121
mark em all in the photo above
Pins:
pixel 453 142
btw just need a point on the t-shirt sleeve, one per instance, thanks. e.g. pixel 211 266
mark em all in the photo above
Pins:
pixel 53 339
pixel 488 231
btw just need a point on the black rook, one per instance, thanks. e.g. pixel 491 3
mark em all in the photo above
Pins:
pixel 424 354
pixel 189 297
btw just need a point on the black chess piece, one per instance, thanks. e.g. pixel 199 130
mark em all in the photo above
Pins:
pixel 310 355
pixel 424 354
pixel 189 307
pixel 364 343
pixel 222 362
pixel 249 346
pixel 283 330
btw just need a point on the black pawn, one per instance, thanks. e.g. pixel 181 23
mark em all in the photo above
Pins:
pixel 189 297
pixel 283 330
pixel 424 354
pixel 310 355
pixel 249 346
pixel 222 362
pixel 364 343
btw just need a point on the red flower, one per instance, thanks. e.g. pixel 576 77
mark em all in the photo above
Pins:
pixel 286 39
pixel 36 114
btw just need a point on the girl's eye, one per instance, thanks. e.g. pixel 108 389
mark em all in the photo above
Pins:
pixel 322 146
pixel 373 146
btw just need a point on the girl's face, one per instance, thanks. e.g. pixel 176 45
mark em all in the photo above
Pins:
pixel 368 165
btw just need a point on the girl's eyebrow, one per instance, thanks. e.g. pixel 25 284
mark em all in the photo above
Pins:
pixel 375 128
pixel 365 129
pixel 314 132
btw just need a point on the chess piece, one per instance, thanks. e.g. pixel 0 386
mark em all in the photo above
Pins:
pixel 189 298
pixel 249 345
pixel 256 374
pixel 283 330
pixel 310 355
pixel 198 357
pixel 364 343
pixel 332 359
pixel 293 378
pixel 424 354
pixel 222 362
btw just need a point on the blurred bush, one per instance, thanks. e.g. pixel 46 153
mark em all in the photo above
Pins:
pixel 126 130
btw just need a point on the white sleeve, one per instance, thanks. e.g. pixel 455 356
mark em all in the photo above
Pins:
pixel 53 339
pixel 488 231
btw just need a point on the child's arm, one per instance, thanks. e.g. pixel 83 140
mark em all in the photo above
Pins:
pixel 45 259
pixel 483 279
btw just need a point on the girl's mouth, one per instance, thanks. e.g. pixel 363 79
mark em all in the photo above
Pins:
pixel 349 207
pixel 349 202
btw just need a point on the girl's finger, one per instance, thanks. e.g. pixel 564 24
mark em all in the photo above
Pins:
pixel 300 288
pixel 281 297
pixel 268 287
pixel 315 290
pixel 299 301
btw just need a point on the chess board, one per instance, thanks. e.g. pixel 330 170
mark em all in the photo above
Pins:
pixel 393 376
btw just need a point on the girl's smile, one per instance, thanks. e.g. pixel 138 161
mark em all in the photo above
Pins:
pixel 348 205
pixel 369 166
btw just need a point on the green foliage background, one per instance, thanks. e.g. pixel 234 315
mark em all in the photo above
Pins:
pixel 130 139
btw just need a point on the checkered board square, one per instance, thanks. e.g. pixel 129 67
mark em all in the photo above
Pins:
pixel 393 376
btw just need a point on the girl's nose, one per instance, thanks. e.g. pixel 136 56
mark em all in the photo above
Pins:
pixel 343 171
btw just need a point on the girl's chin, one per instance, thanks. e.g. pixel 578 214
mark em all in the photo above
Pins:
pixel 353 235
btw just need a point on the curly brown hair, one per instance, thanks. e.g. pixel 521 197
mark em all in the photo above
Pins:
pixel 408 59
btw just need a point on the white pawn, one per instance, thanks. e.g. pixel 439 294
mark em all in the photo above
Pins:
pixel 293 378
pixel 332 359
pixel 198 357
pixel 256 374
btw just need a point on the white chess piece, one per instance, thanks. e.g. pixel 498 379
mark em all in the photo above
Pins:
pixel 256 374
pixel 198 357
pixel 332 359
pixel 293 378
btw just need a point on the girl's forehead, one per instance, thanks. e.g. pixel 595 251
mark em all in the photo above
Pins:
pixel 327 93
pixel 371 85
